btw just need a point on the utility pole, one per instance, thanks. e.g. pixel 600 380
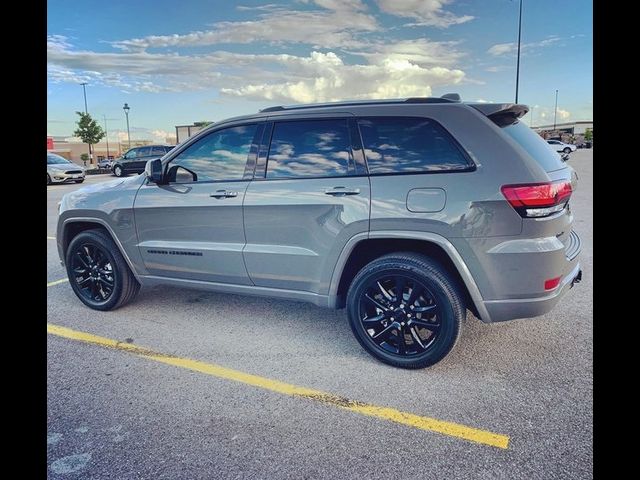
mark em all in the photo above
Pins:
pixel 518 61
pixel 555 112
pixel 106 134
pixel 86 111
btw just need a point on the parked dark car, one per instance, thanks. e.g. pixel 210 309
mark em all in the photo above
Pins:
pixel 134 160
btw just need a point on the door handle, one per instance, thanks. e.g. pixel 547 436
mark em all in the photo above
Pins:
pixel 223 194
pixel 342 191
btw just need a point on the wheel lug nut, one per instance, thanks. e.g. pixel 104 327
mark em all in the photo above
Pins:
pixel 392 319
pixel 402 323
pixel 412 307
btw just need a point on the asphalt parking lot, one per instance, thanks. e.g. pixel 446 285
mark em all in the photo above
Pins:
pixel 116 414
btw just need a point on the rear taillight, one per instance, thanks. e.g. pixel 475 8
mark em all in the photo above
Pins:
pixel 538 199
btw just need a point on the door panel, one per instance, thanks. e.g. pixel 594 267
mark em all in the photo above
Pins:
pixel 308 203
pixel 295 231
pixel 192 228
pixel 184 232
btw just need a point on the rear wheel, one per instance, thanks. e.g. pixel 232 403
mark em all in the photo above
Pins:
pixel 406 310
pixel 98 273
pixel 118 171
pixel 48 179
pixel 567 150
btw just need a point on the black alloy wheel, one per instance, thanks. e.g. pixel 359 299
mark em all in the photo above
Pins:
pixel 93 272
pixel 400 314
pixel 97 271
pixel 406 309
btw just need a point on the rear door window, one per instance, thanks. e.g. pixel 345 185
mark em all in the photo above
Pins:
pixel 144 152
pixel 409 145
pixel 310 148
pixel 541 151
pixel 157 151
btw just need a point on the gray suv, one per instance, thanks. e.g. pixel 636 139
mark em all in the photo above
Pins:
pixel 135 159
pixel 404 212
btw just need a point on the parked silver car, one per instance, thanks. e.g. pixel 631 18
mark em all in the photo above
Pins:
pixel 61 170
pixel 406 212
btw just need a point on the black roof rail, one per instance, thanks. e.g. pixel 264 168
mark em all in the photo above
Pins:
pixel 448 98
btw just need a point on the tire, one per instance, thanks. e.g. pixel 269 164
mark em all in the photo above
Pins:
pixel 48 179
pixel 80 181
pixel 110 266
pixel 118 171
pixel 431 321
pixel 567 150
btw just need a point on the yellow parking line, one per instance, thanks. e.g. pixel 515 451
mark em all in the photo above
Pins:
pixel 391 414
pixel 57 282
pixel 50 238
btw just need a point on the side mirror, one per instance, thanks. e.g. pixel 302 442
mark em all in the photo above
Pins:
pixel 153 171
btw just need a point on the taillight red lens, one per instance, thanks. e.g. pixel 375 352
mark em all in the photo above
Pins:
pixel 526 198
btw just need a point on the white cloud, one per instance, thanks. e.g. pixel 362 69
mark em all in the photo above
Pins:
pixel 420 51
pixel 426 12
pixel 161 135
pixel 506 48
pixel 324 77
pixel 335 24
pixel 563 114
pixel 398 70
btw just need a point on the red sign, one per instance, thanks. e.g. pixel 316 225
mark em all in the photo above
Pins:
pixel 49 143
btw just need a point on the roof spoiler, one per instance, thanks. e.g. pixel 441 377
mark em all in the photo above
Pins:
pixel 502 114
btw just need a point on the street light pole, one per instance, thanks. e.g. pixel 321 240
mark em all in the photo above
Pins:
pixel 126 112
pixel 106 134
pixel 555 111
pixel 518 61
pixel 86 111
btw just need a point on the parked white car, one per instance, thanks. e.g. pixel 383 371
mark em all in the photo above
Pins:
pixel 61 170
pixel 559 146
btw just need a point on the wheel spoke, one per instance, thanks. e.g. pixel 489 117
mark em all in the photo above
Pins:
pixel 82 260
pixel 374 320
pixel 425 324
pixel 415 293
pixel 402 346
pixel 107 282
pixel 84 281
pixel 400 284
pixel 384 291
pixel 385 332
pixel 425 309
pixel 375 302
pixel 416 337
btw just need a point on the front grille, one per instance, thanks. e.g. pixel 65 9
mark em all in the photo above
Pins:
pixel 72 172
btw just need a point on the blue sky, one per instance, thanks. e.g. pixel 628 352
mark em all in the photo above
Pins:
pixel 179 62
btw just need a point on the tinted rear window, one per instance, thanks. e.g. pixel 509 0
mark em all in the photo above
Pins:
pixel 406 144
pixel 535 146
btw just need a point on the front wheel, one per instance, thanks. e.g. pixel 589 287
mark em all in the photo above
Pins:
pixel 406 310
pixel 567 150
pixel 118 171
pixel 48 179
pixel 97 271
pixel 80 181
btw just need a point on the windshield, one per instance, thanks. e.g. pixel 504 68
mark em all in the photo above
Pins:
pixel 54 159
pixel 533 143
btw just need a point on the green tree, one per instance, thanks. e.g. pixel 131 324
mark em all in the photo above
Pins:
pixel 588 134
pixel 88 130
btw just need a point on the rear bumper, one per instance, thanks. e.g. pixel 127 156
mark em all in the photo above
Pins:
pixel 502 310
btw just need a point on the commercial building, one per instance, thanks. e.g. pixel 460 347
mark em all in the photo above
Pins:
pixel 185 131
